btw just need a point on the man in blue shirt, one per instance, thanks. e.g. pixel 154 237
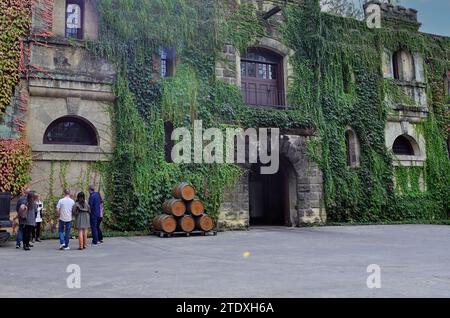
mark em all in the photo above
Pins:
pixel 95 202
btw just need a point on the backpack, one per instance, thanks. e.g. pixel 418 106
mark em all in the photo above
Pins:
pixel 23 211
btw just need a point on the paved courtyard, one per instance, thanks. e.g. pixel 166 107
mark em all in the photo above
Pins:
pixel 264 262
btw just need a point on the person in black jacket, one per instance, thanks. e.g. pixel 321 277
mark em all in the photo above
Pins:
pixel 22 200
pixel 29 221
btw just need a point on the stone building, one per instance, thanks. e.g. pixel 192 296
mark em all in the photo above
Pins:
pixel 70 96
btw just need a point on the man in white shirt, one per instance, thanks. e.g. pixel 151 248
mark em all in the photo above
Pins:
pixel 64 212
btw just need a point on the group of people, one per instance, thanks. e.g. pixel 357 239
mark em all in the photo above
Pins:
pixel 84 214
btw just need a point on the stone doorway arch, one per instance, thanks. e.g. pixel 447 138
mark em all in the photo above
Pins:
pixel 304 188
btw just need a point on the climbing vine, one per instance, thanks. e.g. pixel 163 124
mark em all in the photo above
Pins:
pixel 341 59
pixel 15 21
pixel 15 154
pixel 131 35
pixel 337 83
pixel 15 161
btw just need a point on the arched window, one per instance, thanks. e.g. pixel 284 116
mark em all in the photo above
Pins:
pixel 403 147
pixel 404 69
pixel 71 131
pixel 74 19
pixel 262 78
pixel 352 148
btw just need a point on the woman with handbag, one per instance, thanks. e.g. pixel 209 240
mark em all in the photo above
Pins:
pixel 82 212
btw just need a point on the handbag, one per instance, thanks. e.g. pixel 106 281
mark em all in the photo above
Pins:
pixel 23 210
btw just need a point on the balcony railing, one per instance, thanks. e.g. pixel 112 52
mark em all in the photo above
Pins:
pixel 266 98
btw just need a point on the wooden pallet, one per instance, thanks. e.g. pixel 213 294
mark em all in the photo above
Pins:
pixel 184 234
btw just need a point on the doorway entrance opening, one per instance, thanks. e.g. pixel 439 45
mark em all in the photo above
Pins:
pixel 273 197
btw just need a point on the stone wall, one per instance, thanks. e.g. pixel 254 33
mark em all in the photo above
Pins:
pixel 67 81
pixel 234 212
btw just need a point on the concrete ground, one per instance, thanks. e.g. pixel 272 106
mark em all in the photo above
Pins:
pixel 264 262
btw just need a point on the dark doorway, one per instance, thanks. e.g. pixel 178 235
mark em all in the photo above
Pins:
pixel 270 202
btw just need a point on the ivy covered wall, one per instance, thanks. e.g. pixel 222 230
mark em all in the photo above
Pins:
pixel 15 153
pixel 328 49
pixel 337 83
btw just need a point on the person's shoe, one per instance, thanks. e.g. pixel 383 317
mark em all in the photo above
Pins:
pixel 67 248
pixel 38 240
pixel 17 245
pixel 30 245
pixel 26 248
pixel 101 242
pixel 61 247
pixel 32 241
pixel 95 244
pixel 80 248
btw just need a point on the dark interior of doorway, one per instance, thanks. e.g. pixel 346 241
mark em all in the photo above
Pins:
pixel 269 197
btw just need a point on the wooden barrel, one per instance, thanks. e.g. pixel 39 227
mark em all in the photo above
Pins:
pixel 196 207
pixel 165 223
pixel 186 223
pixel 184 191
pixel 175 207
pixel 204 223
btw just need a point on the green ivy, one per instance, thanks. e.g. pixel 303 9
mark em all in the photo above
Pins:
pixel 336 83
pixel 341 61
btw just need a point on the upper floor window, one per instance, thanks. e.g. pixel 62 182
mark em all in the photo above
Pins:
pixel 71 131
pixel 262 78
pixel 74 19
pixel 403 66
pixel 447 83
pixel 167 62
pixel 352 148
pixel 403 147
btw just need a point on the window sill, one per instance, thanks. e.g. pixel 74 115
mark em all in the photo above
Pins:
pixel 409 161
pixel 268 107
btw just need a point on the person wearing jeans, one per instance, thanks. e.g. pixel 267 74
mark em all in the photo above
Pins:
pixel 95 201
pixel 64 211
pixel 64 234
pixel 19 237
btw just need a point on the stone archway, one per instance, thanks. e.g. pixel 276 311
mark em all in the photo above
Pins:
pixel 302 190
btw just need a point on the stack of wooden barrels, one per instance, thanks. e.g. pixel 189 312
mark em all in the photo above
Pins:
pixel 183 213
